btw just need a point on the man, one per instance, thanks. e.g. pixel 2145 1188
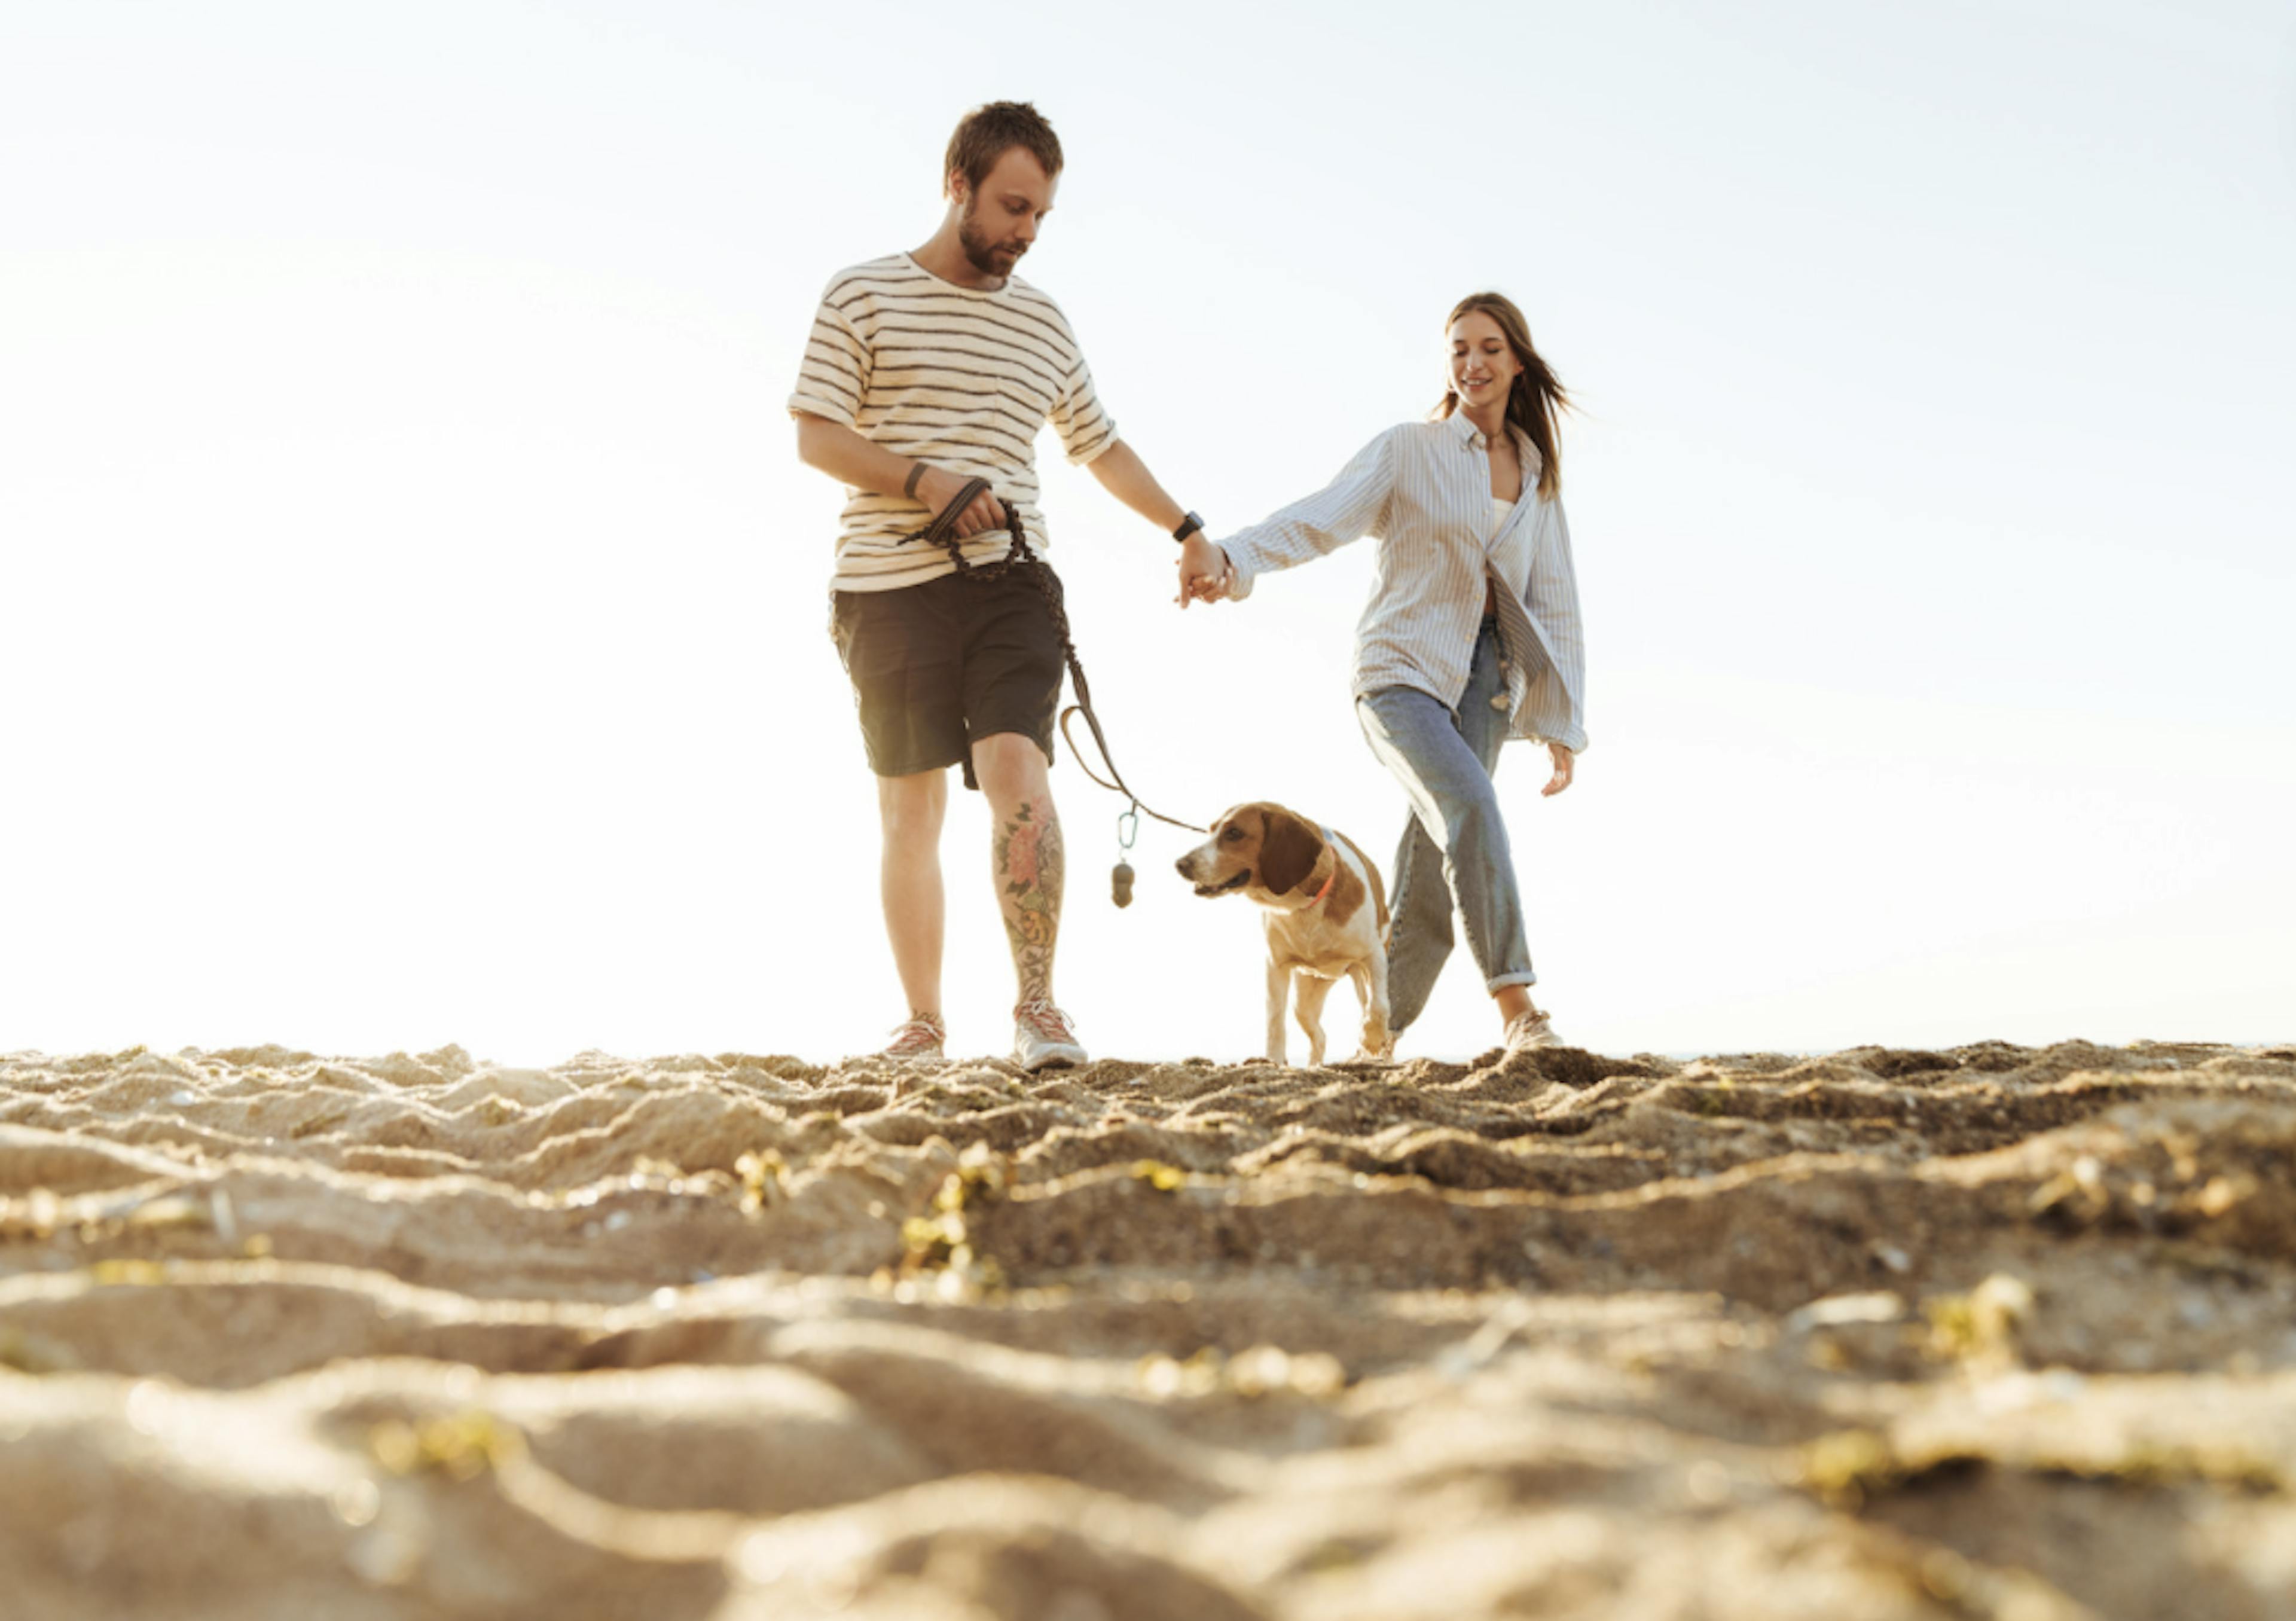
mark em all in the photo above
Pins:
pixel 924 371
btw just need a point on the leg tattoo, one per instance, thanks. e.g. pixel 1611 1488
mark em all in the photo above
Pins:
pixel 1030 871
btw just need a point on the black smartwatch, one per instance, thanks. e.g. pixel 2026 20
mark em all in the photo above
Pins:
pixel 1188 525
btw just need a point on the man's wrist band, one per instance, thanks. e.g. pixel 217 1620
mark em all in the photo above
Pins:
pixel 1189 525
pixel 909 485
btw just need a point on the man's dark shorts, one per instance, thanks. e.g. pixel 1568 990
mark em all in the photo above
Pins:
pixel 939 666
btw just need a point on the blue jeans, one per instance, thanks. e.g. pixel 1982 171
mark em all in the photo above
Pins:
pixel 1455 847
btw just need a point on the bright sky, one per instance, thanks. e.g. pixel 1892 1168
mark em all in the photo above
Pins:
pixel 414 611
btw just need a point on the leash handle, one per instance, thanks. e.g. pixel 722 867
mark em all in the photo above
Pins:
pixel 941 531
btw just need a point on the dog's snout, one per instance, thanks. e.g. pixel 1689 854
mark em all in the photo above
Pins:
pixel 1181 865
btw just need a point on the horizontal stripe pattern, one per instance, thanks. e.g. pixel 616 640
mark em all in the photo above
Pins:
pixel 1424 489
pixel 959 377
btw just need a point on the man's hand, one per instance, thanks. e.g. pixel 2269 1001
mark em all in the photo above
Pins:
pixel 937 490
pixel 1562 758
pixel 1205 571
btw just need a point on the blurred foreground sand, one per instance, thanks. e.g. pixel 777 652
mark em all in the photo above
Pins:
pixel 1995 1332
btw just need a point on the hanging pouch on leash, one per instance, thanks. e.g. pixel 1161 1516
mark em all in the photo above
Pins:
pixel 942 532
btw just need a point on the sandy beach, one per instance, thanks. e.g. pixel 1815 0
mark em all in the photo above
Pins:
pixel 1994 1331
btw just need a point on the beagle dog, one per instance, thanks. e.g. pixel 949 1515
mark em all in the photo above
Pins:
pixel 1327 915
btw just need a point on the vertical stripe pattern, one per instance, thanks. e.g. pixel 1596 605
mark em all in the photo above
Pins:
pixel 1424 489
pixel 960 377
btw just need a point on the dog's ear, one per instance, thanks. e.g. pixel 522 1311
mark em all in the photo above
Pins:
pixel 1289 849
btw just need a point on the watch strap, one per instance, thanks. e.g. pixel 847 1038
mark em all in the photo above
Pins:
pixel 1189 525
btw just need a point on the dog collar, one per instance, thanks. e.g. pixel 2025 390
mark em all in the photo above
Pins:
pixel 1328 882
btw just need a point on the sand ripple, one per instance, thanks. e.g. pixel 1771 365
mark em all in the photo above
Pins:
pixel 1991 1332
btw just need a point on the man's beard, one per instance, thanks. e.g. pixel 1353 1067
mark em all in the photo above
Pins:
pixel 979 248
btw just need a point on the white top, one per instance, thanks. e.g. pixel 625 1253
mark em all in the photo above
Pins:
pixel 1424 489
pixel 1500 508
pixel 961 377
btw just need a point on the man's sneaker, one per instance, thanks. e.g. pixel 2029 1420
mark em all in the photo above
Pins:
pixel 919 1040
pixel 1525 1031
pixel 1043 1038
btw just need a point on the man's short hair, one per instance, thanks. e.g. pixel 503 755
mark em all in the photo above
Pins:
pixel 986 133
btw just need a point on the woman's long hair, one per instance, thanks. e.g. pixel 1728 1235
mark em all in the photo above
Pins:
pixel 1536 402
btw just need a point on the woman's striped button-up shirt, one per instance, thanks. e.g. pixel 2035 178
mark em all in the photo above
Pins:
pixel 1424 489
pixel 961 377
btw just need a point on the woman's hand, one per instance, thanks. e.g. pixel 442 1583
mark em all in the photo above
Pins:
pixel 1205 571
pixel 1562 758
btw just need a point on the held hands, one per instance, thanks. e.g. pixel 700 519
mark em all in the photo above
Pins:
pixel 1205 572
pixel 937 490
pixel 1564 760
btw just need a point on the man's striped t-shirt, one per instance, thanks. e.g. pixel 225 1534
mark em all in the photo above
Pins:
pixel 959 377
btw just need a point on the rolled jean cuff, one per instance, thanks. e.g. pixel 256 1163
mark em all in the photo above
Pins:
pixel 1499 982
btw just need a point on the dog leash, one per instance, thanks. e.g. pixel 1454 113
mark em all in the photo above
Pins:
pixel 942 532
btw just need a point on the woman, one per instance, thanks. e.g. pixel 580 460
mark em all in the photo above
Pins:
pixel 1472 636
